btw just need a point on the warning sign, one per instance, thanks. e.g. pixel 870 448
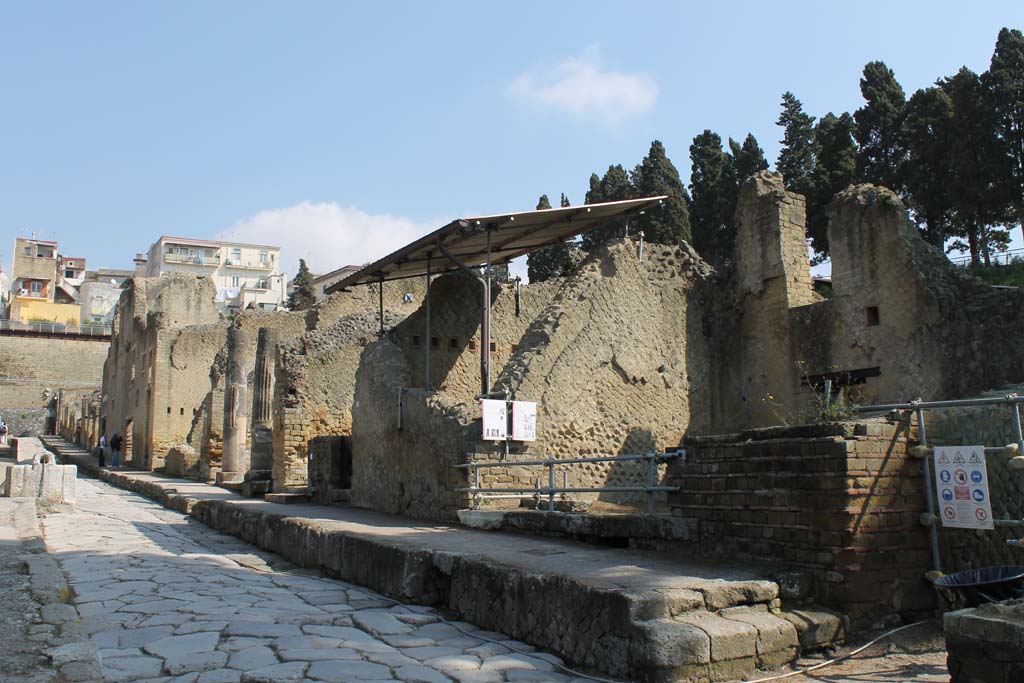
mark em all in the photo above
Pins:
pixel 524 421
pixel 962 485
pixel 495 414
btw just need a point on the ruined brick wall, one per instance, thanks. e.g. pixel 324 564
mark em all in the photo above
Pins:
pixel 840 502
pixel 612 358
pixel 34 368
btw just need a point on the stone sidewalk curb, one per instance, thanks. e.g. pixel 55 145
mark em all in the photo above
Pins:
pixel 622 632
pixel 74 655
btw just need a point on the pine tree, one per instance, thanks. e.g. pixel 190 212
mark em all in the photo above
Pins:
pixel 549 262
pixel 927 135
pixel 713 188
pixel 614 186
pixel 656 175
pixel 879 128
pixel 1004 83
pixel 796 158
pixel 835 168
pixel 564 202
pixel 303 295
pixel 747 158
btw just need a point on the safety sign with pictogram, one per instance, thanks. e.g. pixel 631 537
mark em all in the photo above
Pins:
pixel 962 485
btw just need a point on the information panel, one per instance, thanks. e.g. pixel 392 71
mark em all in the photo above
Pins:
pixel 961 483
pixel 495 415
pixel 524 421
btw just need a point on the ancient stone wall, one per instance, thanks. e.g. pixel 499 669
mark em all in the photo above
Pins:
pixel 599 388
pixel 166 333
pixel 841 502
pixel 986 644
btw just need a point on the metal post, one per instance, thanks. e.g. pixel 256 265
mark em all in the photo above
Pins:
pixel 1016 426
pixel 551 485
pixel 518 304
pixel 426 338
pixel 650 483
pixel 640 255
pixel 485 333
pixel 399 408
pixel 933 530
pixel 381 306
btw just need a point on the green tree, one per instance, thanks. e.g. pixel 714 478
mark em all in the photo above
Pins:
pixel 879 130
pixel 614 186
pixel 656 175
pixel 1004 82
pixel 564 201
pixel 978 202
pixel 835 169
pixel 796 158
pixel 747 158
pixel 928 137
pixel 713 189
pixel 553 261
pixel 303 294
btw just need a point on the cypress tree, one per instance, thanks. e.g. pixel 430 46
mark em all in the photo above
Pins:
pixel 796 158
pixel 927 134
pixel 879 129
pixel 747 158
pixel 303 295
pixel 656 175
pixel 614 186
pixel 552 261
pixel 1004 82
pixel 713 189
pixel 835 168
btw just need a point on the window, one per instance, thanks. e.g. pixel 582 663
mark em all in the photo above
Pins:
pixel 264 258
pixel 262 283
pixel 37 288
pixel 415 340
pixel 27 251
pixel 234 281
pixel 69 273
pixel 871 315
pixel 236 255
pixel 453 343
pixel 435 342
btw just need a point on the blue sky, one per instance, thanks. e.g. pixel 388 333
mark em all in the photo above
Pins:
pixel 342 130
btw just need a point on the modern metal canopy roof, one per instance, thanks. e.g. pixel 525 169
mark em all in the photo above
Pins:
pixel 508 234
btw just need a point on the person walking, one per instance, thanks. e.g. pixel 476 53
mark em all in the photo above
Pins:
pixel 103 450
pixel 115 450
pixel 3 432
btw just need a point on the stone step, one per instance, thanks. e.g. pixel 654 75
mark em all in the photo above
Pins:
pixel 287 498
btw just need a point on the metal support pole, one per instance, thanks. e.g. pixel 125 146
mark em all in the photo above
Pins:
pixel 551 485
pixel 518 295
pixel 485 331
pixel 650 483
pixel 933 530
pixel 399 408
pixel 640 254
pixel 380 308
pixel 426 339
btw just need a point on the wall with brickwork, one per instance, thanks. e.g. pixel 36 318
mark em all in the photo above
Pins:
pixel 841 502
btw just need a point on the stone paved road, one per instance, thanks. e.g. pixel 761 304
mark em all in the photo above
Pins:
pixel 167 599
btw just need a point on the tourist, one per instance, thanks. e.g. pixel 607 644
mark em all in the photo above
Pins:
pixel 115 450
pixel 3 432
pixel 103 450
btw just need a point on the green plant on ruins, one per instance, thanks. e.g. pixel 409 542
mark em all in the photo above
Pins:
pixel 830 404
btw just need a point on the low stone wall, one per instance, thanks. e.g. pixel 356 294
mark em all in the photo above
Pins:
pixel 986 644
pixel 53 486
pixel 840 502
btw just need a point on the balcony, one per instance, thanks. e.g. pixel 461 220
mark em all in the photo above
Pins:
pixel 211 260
pixel 249 264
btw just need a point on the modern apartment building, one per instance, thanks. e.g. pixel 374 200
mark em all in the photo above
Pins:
pixel 44 284
pixel 245 275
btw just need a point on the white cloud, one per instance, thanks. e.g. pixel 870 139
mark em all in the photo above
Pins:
pixel 582 88
pixel 326 234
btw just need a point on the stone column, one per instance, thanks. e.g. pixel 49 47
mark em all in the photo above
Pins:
pixel 236 409
pixel 262 401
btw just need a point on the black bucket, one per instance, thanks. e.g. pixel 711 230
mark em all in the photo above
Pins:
pixel 973 587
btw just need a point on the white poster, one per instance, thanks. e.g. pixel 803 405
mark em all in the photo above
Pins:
pixel 495 421
pixel 961 483
pixel 524 421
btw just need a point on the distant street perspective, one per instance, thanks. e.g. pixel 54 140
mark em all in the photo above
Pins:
pixel 512 343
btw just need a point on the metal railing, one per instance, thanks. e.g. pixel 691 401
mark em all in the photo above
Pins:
pixel 1001 258
pixel 43 327
pixel 479 492
pixel 1012 400
pixel 194 259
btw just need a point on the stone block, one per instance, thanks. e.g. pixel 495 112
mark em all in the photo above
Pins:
pixel 53 486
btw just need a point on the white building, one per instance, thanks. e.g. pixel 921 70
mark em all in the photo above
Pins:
pixel 246 275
